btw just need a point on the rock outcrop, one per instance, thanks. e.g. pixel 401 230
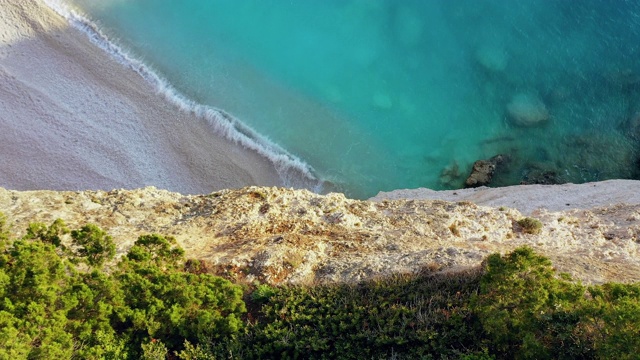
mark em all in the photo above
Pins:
pixel 527 110
pixel 280 235
pixel 483 171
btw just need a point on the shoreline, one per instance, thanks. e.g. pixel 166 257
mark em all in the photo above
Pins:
pixel 74 118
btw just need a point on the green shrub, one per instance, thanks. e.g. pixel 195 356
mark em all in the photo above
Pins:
pixel 171 305
pixel 262 293
pixel 4 230
pixel 409 316
pixel 156 249
pixel 154 350
pixel 147 306
pixel 610 320
pixel 94 245
pixel 530 225
pixel 154 304
pixel 525 310
pixel 49 234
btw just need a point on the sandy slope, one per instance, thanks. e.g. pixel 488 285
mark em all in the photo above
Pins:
pixel 73 118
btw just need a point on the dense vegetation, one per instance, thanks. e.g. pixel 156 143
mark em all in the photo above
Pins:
pixel 64 296
pixel 61 302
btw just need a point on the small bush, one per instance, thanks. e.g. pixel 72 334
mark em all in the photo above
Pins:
pixel 94 244
pixel 407 316
pixel 530 225
pixel 154 350
pixel 263 293
pixel 49 234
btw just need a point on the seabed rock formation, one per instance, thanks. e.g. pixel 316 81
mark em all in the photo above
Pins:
pixel 281 235
pixel 527 110
pixel 483 171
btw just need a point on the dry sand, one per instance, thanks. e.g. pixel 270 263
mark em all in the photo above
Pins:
pixel 73 118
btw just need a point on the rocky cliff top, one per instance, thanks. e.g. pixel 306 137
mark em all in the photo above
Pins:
pixel 281 235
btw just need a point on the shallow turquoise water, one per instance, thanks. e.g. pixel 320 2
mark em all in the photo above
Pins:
pixel 384 94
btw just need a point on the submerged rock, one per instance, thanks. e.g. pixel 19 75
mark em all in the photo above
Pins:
pixel 541 176
pixel 623 77
pixel 483 171
pixel 526 109
pixel 382 101
pixel 492 58
pixel 450 175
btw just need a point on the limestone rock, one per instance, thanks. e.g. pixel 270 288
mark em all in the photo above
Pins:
pixel 526 109
pixel 483 171
pixel 280 235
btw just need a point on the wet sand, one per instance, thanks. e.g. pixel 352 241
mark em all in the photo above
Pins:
pixel 73 118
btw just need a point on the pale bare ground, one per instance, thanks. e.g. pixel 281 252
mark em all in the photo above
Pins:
pixel 529 198
pixel 72 118
pixel 278 235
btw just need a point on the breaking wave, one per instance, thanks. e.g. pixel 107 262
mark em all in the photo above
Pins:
pixel 292 170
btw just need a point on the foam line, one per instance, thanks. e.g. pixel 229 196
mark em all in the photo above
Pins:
pixel 223 123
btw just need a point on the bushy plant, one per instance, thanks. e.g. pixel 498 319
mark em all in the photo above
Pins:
pixel 146 306
pixel 154 304
pixel 49 234
pixel 409 316
pixel 171 305
pixel 610 321
pixel 94 244
pixel 154 350
pixel 4 230
pixel 523 307
pixel 530 225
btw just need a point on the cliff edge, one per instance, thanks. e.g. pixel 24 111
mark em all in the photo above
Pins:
pixel 281 235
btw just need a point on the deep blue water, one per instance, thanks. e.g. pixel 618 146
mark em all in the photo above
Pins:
pixel 384 94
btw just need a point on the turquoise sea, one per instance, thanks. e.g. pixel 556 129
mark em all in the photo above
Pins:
pixel 383 94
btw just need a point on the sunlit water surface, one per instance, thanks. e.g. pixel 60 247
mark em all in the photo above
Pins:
pixel 384 94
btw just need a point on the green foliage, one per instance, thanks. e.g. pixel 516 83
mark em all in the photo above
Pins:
pixel 156 249
pixel 146 307
pixel 48 234
pixel 94 244
pixel 154 350
pixel 197 352
pixel 611 320
pixel 521 304
pixel 171 305
pixel 263 293
pixel 403 316
pixel 49 309
pixel 530 225
pixel 153 304
pixel 34 306
pixel 518 308
pixel 4 229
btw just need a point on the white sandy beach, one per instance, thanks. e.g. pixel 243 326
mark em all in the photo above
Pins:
pixel 73 118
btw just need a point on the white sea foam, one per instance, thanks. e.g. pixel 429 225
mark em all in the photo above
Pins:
pixel 289 167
